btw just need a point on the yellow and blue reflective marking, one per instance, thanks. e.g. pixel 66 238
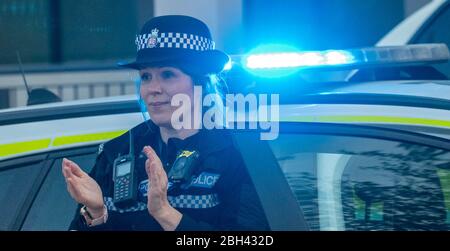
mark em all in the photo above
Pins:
pixel 34 145
pixel 75 139
pixel 368 119
pixel 28 146
pixel 22 147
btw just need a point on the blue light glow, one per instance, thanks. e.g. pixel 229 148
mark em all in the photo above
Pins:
pixel 282 60
pixel 228 66
pixel 272 60
pixel 338 58
pixel 311 58
pixel 298 59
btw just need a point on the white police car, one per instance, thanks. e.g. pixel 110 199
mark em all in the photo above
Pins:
pixel 429 24
pixel 368 153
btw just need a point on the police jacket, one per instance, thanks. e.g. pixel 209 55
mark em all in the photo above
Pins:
pixel 219 196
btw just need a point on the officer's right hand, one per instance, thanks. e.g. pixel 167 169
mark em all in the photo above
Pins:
pixel 82 187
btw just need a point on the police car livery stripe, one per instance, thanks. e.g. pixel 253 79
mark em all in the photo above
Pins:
pixel 41 144
pixel 21 147
pixel 368 119
pixel 74 139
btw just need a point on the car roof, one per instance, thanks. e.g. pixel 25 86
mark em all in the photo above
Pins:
pixel 425 103
pixel 70 103
pixel 420 88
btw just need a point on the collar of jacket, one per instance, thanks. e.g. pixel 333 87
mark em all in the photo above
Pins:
pixel 205 141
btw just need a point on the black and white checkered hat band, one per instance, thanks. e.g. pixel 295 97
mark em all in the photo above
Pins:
pixel 174 40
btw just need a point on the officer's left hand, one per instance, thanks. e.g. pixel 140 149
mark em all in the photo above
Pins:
pixel 157 203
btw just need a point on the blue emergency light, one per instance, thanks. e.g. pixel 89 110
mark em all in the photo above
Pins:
pixel 354 58
pixel 298 59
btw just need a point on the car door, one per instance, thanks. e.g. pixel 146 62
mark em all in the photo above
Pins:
pixel 53 208
pixel 19 180
pixel 34 194
pixel 312 177
pixel 348 177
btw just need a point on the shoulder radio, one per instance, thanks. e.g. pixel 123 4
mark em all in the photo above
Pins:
pixel 125 179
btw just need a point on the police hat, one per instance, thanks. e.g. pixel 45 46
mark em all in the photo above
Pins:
pixel 177 40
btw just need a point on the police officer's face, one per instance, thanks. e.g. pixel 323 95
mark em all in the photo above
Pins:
pixel 158 86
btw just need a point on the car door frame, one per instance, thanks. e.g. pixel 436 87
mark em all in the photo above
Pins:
pixel 268 178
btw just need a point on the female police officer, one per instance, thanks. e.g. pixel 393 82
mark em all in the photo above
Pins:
pixel 174 54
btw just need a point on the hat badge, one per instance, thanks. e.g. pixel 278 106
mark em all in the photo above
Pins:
pixel 153 39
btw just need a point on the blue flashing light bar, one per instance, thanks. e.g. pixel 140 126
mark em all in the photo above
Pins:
pixel 298 59
pixel 409 54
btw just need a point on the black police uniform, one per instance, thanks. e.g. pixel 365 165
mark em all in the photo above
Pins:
pixel 220 196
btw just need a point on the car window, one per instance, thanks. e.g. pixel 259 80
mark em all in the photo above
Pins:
pixel 437 32
pixel 353 183
pixel 53 208
pixel 15 186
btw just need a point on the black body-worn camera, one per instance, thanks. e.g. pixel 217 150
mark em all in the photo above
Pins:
pixel 183 167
